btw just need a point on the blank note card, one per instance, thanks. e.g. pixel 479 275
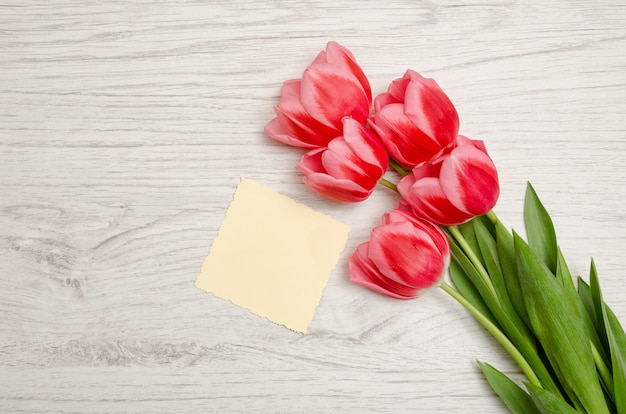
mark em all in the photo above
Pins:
pixel 273 256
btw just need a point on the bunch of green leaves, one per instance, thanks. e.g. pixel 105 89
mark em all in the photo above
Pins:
pixel 566 340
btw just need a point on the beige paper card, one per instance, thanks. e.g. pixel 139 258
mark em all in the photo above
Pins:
pixel 273 256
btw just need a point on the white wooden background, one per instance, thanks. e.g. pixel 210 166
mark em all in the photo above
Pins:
pixel 125 126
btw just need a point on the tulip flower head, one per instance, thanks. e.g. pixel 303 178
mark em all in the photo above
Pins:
pixel 404 257
pixel 310 111
pixel 350 167
pixel 459 184
pixel 414 119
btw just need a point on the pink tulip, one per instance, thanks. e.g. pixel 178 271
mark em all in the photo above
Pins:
pixel 414 119
pixel 459 184
pixel 350 167
pixel 404 257
pixel 310 111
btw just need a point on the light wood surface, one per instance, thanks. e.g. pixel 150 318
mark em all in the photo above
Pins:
pixel 126 125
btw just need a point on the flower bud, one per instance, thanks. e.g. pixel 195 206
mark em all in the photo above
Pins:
pixel 349 168
pixel 404 257
pixel 414 119
pixel 457 185
pixel 310 111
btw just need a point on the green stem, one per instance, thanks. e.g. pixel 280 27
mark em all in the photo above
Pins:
pixel 603 370
pixel 399 169
pixel 497 333
pixel 456 233
pixel 492 217
pixel 388 184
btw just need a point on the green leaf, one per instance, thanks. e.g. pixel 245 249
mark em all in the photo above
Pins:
pixel 488 224
pixel 539 229
pixel 560 329
pixel 598 306
pixel 562 271
pixel 601 358
pixel 491 260
pixel 459 256
pixel 617 328
pixel 515 398
pixel 488 296
pixel 467 230
pixel 565 277
pixel 614 337
pixel 524 345
pixel 619 379
pixel 467 289
pixel 506 255
pixel 584 292
pixel 548 402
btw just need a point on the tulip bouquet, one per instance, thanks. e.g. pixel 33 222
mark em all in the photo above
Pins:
pixel 565 339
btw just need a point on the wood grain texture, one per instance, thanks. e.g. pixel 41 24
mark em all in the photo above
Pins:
pixel 126 125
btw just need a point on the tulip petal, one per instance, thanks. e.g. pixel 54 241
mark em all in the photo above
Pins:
pixel 404 213
pixel 431 110
pixel 320 58
pixel 383 100
pixel 341 162
pixel 337 189
pixel 290 88
pixel 329 93
pixel 428 201
pixel 294 126
pixel 344 158
pixel 406 254
pixel 318 179
pixel 389 139
pixel 404 140
pixel 311 162
pixel 363 272
pixel 469 180
pixel 398 86
pixel 365 144
pixel 336 53
pixel 275 129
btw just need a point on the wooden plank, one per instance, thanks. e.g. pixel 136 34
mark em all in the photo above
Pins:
pixel 126 125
